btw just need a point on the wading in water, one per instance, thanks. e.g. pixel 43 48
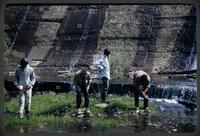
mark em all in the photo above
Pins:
pixel 24 81
pixel 104 73
pixel 81 83
pixel 140 82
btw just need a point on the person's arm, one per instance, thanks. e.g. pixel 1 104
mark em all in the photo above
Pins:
pixel 16 81
pixel 76 87
pixel 89 81
pixel 146 84
pixel 99 64
pixel 145 89
pixel 32 77
pixel 75 80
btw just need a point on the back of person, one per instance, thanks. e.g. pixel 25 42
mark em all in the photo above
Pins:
pixel 141 77
pixel 141 81
pixel 82 80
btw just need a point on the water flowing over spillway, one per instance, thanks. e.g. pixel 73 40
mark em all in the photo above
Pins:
pixel 182 94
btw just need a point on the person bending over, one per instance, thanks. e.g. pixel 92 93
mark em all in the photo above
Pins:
pixel 141 81
pixel 82 81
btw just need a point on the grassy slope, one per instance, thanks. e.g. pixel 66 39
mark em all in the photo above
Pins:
pixel 51 108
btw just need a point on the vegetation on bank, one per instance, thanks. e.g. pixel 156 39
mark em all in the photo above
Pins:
pixel 9 52
pixel 119 64
pixel 51 109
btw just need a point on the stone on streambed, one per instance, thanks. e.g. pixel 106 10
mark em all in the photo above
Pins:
pixel 102 105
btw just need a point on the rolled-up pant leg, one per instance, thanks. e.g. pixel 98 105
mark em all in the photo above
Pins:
pixel 105 88
pixel 21 103
pixel 28 94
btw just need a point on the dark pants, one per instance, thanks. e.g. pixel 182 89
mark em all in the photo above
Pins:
pixel 86 97
pixel 105 88
pixel 137 93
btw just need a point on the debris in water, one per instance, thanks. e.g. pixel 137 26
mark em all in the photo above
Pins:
pixel 174 130
pixel 101 105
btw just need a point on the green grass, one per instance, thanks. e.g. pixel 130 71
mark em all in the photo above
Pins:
pixel 46 109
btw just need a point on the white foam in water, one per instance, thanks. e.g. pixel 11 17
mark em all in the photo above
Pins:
pixel 170 101
pixel 166 104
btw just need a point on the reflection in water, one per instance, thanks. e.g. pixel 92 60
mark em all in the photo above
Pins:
pixel 165 120
pixel 82 125
pixel 141 123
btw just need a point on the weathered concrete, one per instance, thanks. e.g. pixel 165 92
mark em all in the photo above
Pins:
pixel 151 37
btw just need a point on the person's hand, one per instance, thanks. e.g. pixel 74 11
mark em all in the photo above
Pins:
pixel 20 87
pixel 144 95
pixel 141 88
pixel 28 86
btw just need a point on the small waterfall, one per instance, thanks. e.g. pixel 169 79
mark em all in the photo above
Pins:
pixel 20 26
pixel 191 61
pixel 182 94
pixel 82 41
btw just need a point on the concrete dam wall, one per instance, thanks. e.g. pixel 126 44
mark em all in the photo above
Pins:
pixel 152 37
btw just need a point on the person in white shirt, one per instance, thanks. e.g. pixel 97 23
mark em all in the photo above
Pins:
pixel 104 73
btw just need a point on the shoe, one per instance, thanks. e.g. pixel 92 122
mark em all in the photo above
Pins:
pixel 79 112
pixel 86 110
pixel 20 116
pixel 147 110
pixel 28 114
pixel 137 110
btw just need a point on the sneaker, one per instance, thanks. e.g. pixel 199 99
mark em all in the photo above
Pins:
pixel 79 111
pixel 137 110
pixel 28 114
pixel 147 110
pixel 86 110
pixel 21 116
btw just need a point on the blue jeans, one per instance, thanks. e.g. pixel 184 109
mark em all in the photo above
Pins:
pixel 105 88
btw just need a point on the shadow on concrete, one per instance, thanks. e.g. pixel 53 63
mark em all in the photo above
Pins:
pixel 22 26
pixel 77 36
